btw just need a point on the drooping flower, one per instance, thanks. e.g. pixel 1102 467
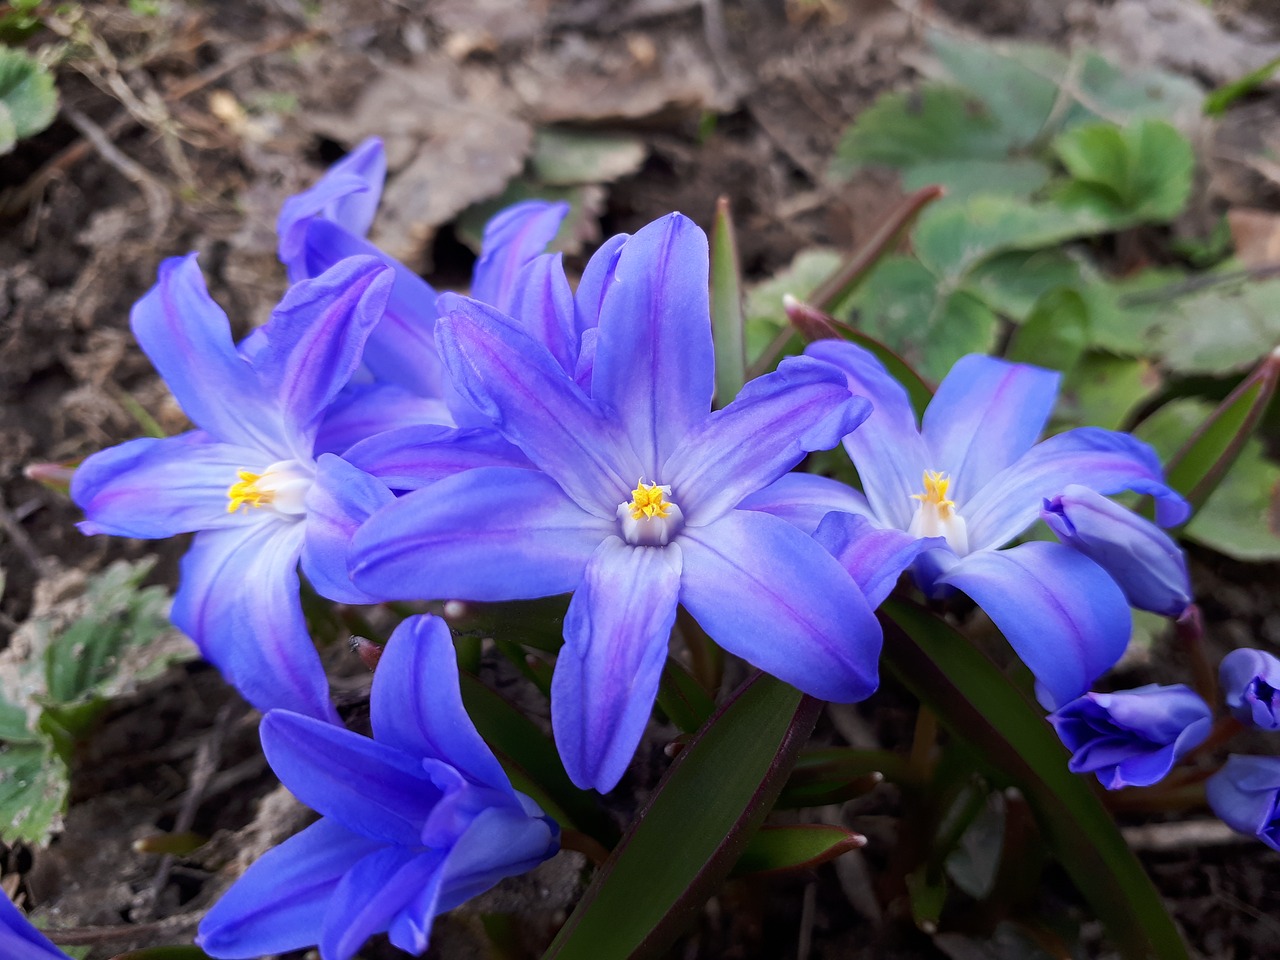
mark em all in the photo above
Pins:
pixel 19 940
pixel 1132 738
pixel 1244 795
pixel 247 478
pixel 944 497
pixel 634 503
pixel 414 821
pixel 1250 681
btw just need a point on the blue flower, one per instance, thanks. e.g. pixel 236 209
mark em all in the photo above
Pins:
pixel 1244 795
pixel 19 940
pixel 634 503
pixel 1132 738
pixel 1250 681
pixel 944 497
pixel 247 478
pixel 415 821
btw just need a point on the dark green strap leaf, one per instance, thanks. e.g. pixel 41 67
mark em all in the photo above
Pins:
pixel 727 324
pixel 978 704
pixel 694 827
pixel 801 846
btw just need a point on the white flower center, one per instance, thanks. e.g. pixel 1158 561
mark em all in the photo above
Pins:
pixel 649 519
pixel 282 487
pixel 936 516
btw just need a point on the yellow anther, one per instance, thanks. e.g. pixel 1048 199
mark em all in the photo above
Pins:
pixel 648 501
pixel 245 492
pixel 935 492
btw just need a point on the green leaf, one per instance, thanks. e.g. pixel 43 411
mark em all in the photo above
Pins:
pixel 1219 99
pixel 838 774
pixel 532 762
pixel 1012 283
pixel 973 863
pixel 979 705
pixel 1103 390
pixel 682 698
pixel 765 315
pixel 185 952
pixel 1242 516
pixel 33 791
pixel 563 157
pixel 1055 334
pixel 805 846
pixel 1016 177
pixel 1133 174
pixel 28 99
pixel 693 829
pixel 1123 95
pixel 727 322
pixel 1219 330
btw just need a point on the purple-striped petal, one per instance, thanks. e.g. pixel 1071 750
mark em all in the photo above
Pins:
pixel 187 337
pixel 887 448
pixel 768 593
pixel 497 533
pixel 1250 681
pixel 543 307
pixel 768 428
pixel 606 676
pixel 238 600
pixel 499 843
pixel 365 410
pixel 513 238
pixel 654 364
pixel 413 457
pixel 341 498
pixel 280 902
pixel 372 893
pixel 803 499
pixel 1105 461
pixel 347 195
pixel 986 414
pixel 1060 611
pixel 874 556
pixel 516 383
pixel 597 277
pixel 153 488
pixel 1245 794
pixel 368 787
pixel 417 703
pixel 315 340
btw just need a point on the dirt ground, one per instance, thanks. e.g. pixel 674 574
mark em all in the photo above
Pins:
pixel 185 125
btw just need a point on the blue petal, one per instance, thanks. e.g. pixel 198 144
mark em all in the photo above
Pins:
pixel 585 366
pixel 187 337
pixel 372 893
pixel 152 488
pixel 238 601
pixel 413 457
pixel 370 788
pixel 19 940
pixel 1060 611
pixel 499 843
pixel 417 704
pixel 401 349
pixel 497 533
pixel 1141 558
pixel 1243 794
pixel 1105 461
pixel 596 280
pixel 887 449
pixel 365 410
pixel 803 499
pixel 281 901
pixel 986 414
pixel 874 556
pixel 654 364
pixel 769 427
pixel 315 339
pixel 615 643
pixel 768 593
pixel 347 195
pixel 341 498
pixel 516 383
pixel 513 238
pixel 543 307
pixel 1250 681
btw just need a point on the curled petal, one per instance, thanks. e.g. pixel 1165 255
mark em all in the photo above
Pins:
pixel 365 410
pixel 874 556
pixel 595 282
pixel 1060 611
pixel 499 843
pixel 512 239
pixel 986 414
pixel 769 427
pixel 373 892
pixel 413 457
pixel 768 593
pixel 1244 795
pixel 606 676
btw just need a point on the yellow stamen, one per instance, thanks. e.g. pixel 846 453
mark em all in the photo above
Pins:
pixel 647 501
pixel 245 492
pixel 935 492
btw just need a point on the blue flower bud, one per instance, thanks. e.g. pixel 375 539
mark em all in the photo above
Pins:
pixel 1243 794
pixel 1249 680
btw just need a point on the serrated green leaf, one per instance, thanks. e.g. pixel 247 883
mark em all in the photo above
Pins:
pixel 564 158
pixel 1103 390
pixel 693 829
pixel 1011 283
pixel 1055 334
pixel 763 309
pixel 28 95
pixel 1016 177
pixel 1123 95
pixel 979 705
pixel 1134 174
pixel 795 847
pixel 1219 330
pixel 33 791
